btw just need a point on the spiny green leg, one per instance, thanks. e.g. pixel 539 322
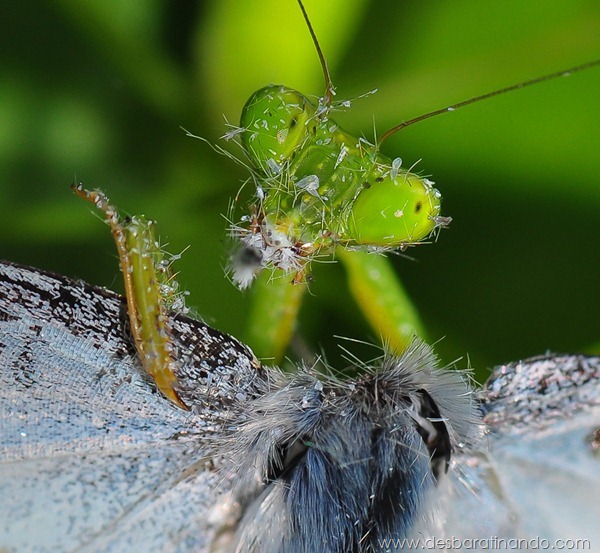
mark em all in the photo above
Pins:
pixel 381 297
pixel 275 306
pixel 146 278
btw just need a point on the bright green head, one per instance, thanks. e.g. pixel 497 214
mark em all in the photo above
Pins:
pixel 395 211
pixel 275 120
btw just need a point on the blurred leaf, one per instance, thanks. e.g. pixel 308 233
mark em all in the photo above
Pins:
pixel 128 35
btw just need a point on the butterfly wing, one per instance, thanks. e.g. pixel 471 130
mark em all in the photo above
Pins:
pixel 92 457
pixel 536 473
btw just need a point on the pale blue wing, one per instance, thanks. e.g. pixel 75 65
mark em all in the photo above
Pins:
pixel 92 457
pixel 536 472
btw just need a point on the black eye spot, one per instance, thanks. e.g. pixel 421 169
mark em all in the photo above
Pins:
pixel 366 184
pixel 379 179
pixel 314 130
pixel 431 427
pixel 418 207
pixel 293 121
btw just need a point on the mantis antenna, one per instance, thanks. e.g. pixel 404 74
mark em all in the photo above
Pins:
pixel 518 86
pixel 329 88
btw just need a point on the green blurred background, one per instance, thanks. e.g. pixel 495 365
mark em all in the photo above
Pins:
pixel 97 91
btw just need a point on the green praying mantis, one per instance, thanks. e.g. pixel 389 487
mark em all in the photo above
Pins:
pixel 319 192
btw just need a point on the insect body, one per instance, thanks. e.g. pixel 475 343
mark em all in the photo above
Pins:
pixel 322 187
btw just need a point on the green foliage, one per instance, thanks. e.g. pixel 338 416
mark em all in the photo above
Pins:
pixel 98 91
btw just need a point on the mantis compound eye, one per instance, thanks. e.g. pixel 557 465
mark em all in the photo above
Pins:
pixel 395 211
pixel 275 121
